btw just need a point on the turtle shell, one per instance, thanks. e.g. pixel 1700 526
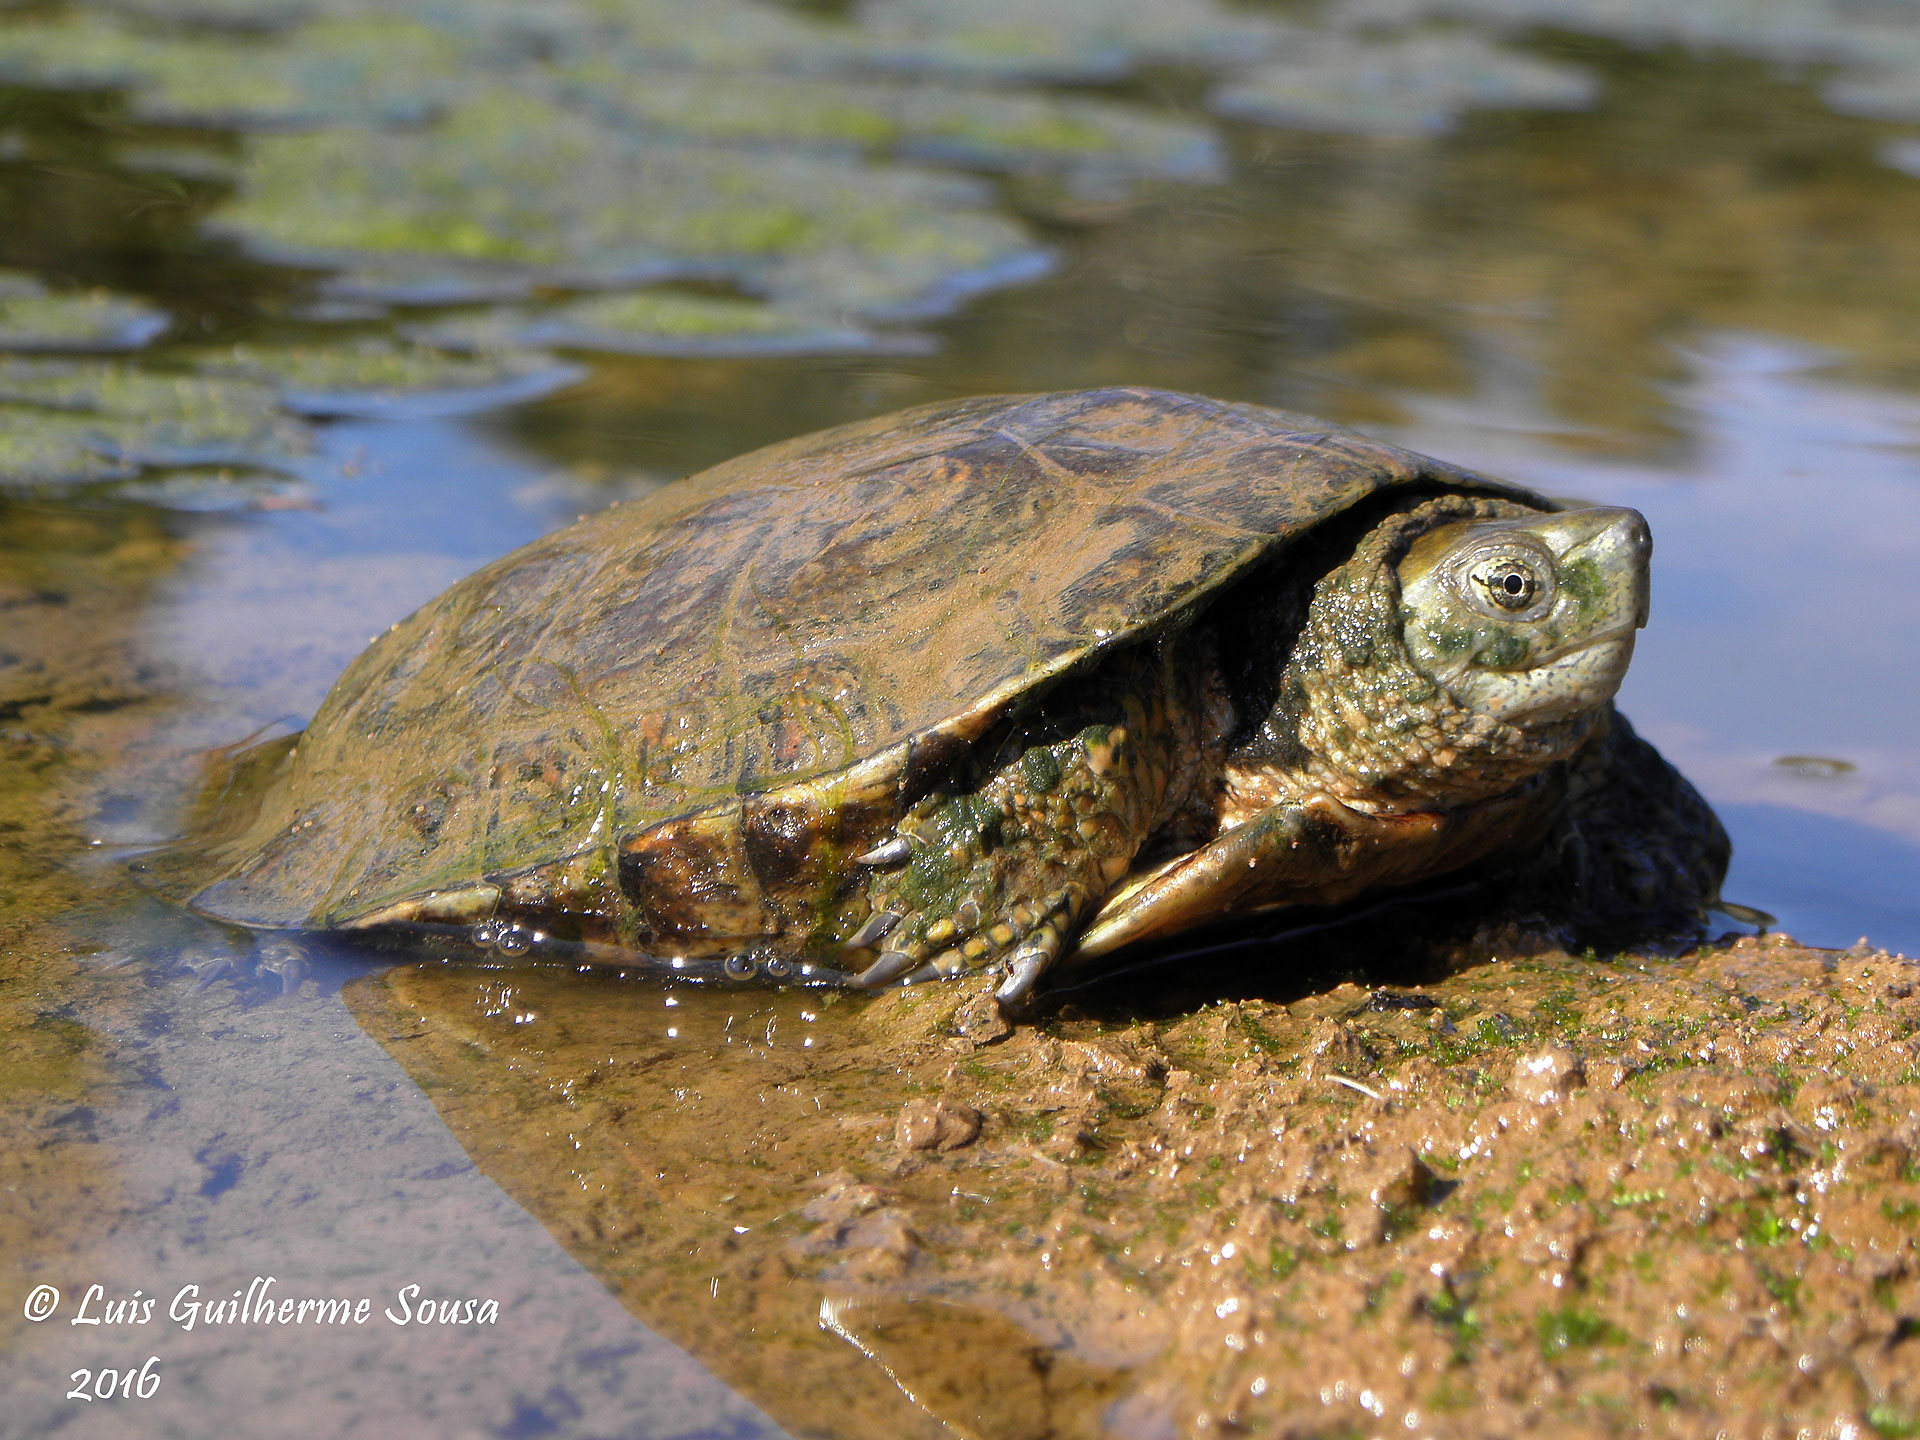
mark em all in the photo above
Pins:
pixel 819 628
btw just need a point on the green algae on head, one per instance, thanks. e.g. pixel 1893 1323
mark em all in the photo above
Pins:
pixel 1446 660
pixel 1381 754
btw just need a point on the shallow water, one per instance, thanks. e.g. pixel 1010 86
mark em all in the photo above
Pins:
pixel 1686 279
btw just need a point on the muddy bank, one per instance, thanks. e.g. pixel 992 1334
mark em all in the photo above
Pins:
pixel 1542 1194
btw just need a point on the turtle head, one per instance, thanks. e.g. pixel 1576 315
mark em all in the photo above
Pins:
pixel 1527 620
pixel 1464 646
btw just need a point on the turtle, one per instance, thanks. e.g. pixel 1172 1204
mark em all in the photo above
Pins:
pixel 981 685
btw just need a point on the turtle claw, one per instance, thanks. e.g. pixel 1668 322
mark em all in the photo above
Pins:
pixel 208 966
pixel 286 962
pixel 889 852
pixel 890 966
pixel 1024 968
pixel 879 925
pixel 1026 965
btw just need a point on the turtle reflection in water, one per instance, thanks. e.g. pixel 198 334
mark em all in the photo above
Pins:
pixel 977 686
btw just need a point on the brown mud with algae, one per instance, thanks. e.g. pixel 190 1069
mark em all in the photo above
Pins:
pixel 1535 1194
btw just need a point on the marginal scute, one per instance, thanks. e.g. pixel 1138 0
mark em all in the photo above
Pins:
pixel 690 879
pixel 783 839
pixel 438 907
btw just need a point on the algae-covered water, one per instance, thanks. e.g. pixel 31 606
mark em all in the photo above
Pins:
pixel 309 308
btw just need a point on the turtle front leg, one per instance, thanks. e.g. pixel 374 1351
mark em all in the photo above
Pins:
pixel 1003 876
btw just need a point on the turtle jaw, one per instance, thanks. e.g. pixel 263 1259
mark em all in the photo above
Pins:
pixel 1575 683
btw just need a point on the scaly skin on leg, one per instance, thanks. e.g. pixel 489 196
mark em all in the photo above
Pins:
pixel 1005 873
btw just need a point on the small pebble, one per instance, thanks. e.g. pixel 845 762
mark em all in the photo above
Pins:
pixel 936 1125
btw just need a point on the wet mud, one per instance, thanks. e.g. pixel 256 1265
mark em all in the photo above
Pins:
pixel 1540 1194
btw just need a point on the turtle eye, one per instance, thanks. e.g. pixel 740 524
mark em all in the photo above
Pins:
pixel 1507 584
pixel 1511 587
